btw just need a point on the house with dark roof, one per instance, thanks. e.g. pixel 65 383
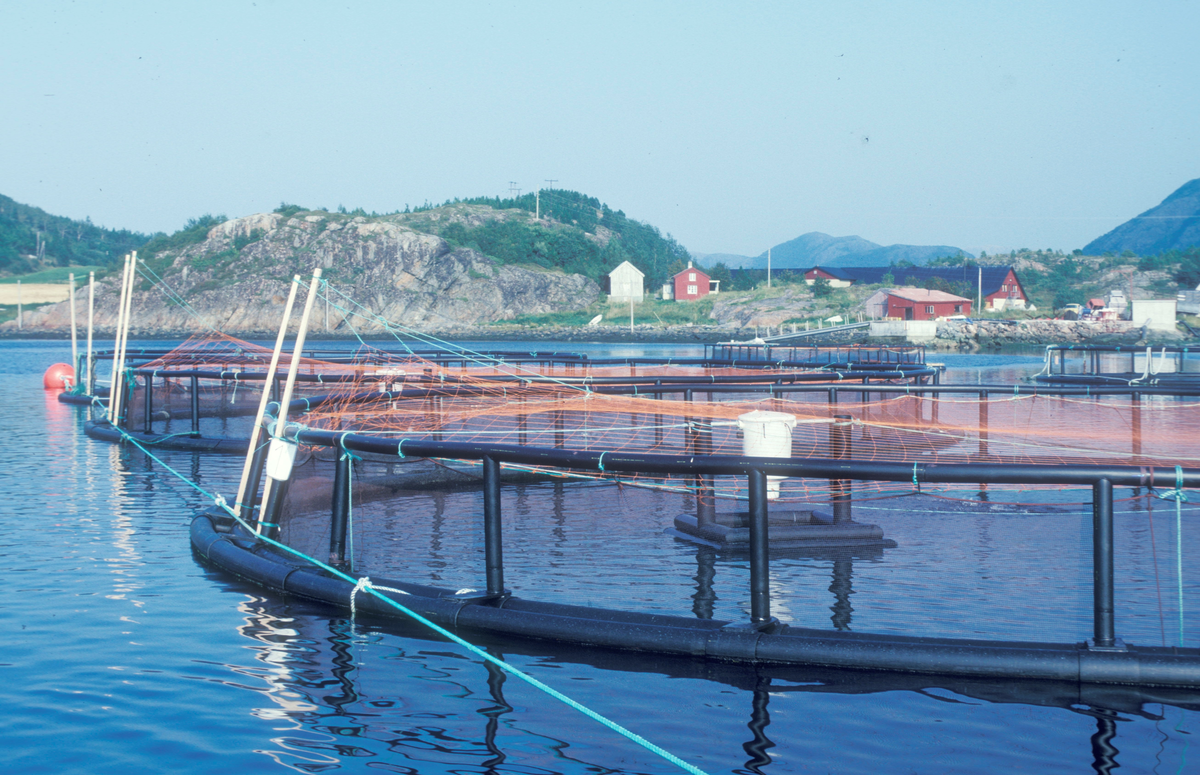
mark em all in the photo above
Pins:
pixel 915 304
pixel 998 285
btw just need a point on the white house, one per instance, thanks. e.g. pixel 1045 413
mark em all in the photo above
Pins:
pixel 625 283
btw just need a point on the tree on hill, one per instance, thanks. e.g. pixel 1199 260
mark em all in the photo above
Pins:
pixel 32 239
pixel 577 234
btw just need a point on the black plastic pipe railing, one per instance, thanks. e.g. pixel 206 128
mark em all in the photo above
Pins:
pixel 1101 478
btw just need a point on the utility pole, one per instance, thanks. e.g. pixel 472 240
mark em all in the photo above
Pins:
pixel 537 211
pixel 768 267
pixel 512 186
pixel 552 182
pixel 18 305
pixel 979 311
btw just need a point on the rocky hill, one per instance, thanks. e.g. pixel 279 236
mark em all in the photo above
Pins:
pixel 235 280
pixel 1172 225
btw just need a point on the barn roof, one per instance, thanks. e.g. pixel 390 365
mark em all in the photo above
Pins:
pixel 923 295
pixel 993 276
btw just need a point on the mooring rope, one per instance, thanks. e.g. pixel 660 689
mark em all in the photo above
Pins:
pixel 1180 498
pixel 364 584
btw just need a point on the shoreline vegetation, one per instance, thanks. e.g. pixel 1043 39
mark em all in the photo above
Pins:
pixel 525 268
pixel 953 336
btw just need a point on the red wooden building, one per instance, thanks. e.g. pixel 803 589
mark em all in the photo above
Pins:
pixel 998 285
pixel 916 304
pixel 691 284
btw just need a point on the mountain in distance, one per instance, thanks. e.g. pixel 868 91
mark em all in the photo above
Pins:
pixel 1173 225
pixel 731 260
pixel 817 249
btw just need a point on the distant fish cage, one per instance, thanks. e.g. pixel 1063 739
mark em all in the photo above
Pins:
pixel 754 352
pixel 1172 366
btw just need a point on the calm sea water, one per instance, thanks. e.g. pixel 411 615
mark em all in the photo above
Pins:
pixel 124 654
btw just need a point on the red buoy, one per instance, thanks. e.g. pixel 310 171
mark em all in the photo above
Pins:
pixel 60 376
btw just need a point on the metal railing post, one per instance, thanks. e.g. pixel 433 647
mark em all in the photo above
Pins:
pixel 840 448
pixel 340 511
pixel 493 545
pixel 1102 563
pixel 760 590
pixel 195 405
pixel 148 405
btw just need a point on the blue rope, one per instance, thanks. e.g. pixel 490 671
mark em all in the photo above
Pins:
pixel 1180 498
pixel 359 584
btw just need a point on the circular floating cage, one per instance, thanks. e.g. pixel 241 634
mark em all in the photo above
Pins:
pixel 754 480
pixel 1173 367
pixel 199 395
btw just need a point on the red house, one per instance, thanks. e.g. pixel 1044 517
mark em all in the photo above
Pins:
pixel 998 285
pixel 916 304
pixel 691 284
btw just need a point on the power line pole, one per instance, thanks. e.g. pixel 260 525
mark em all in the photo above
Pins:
pixel 512 186
pixel 552 182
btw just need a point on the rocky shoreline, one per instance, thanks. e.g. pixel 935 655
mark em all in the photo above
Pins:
pixel 952 336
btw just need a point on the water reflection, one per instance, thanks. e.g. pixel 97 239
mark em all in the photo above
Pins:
pixel 841 586
pixel 337 694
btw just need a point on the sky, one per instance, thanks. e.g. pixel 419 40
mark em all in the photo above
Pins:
pixel 730 126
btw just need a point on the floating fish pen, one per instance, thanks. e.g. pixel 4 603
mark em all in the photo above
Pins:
pixel 760 352
pixel 762 478
pixel 1097 365
pixel 744 475
pixel 190 397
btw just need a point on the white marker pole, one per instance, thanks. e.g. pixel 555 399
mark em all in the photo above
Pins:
pixel 91 382
pixel 18 305
pixel 116 377
pixel 281 421
pixel 74 336
pixel 125 328
pixel 256 429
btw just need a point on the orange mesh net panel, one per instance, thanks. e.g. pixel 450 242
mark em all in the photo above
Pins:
pixel 464 402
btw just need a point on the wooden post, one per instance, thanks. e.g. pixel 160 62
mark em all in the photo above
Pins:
pixel 74 336
pixel 244 508
pixel 297 353
pixel 91 368
pixel 114 389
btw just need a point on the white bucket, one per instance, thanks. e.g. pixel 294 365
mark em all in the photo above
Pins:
pixel 767 434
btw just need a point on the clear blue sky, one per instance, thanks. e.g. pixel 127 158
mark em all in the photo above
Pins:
pixel 733 126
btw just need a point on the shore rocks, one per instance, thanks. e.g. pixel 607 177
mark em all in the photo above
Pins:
pixel 236 281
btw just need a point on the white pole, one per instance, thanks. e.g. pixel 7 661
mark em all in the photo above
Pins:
pixel 768 267
pixel 631 313
pixel 281 422
pixel 91 314
pixel 18 305
pixel 980 310
pixel 125 331
pixel 256 429
pixel 74 336
pixel 116 377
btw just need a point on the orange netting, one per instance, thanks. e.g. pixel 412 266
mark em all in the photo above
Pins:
pixel 463 401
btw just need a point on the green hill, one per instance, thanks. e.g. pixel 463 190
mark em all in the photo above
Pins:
pixel 32 240
pixel 572 231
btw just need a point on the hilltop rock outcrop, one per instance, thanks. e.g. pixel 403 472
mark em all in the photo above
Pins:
pixel 377 270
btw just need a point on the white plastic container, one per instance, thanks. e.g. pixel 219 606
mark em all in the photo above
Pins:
pixel 767 434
